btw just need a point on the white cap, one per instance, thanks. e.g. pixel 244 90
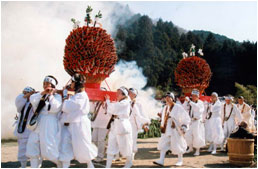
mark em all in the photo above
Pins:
pixel 195 92
pixel 123 89
pixel 50 80
pixel 170 94
pixel 134 91
pixel 228 98
pixel 28 89
pixel 214 94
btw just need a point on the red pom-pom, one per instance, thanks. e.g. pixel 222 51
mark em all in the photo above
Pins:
pixel 91 52
pixel 193 72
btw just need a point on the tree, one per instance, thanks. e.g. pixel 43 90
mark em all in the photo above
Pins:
pixel 248 92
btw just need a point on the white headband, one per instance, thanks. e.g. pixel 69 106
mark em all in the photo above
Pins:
pixel 134 91
pixel 124 91
pixel 50 80
pixel 195 92
pixel 170 94
pixel 228 98
pixel 28 89
pixel 215 94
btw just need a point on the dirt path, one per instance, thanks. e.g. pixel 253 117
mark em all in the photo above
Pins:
pixel 147 153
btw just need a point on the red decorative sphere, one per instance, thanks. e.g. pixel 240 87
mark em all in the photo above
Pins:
pixel 91 52
pixel 193 72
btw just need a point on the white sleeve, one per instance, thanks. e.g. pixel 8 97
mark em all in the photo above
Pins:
pixel 182 116
pixel 139 117
pixel 200 107
pixel 55 103
pixel 248 111
pixel 117 107
pixel 87 110
pixel 238 115
pixel 163 116
pixel 216 109
pixel 20 102
pixel 70 105
pixel 34 100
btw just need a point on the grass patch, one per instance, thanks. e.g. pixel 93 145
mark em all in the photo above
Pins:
pixel 8 140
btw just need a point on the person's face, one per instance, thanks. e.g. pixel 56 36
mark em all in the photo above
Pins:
pixel 213 98
pixel 194 97
pixel 228 101
pixel 119 95
pixel 182 99
pixel 132 95
pixel 72 85
pixel 169 99
pixel 47 85
pixel 240 101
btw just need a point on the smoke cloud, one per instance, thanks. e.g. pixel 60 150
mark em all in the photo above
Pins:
pixel 128 74
pixel 33 40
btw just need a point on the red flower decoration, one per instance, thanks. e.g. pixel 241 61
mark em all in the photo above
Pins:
pixel 193 72
pixel 91 52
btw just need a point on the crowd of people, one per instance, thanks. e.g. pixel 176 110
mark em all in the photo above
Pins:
pixel 54 124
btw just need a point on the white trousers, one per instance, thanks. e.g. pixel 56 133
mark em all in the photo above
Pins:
pixel 120 143
pixel 65 148
pixel 98 137
pixel 195 136
pixel 22 143
pixel 135 136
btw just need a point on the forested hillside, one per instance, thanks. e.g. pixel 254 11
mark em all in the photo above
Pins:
pixel 157 48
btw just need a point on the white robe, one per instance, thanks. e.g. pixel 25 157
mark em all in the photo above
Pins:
pixel 120 135
pixel 44 140
pixel 76 109
pixel 207 124
pixel 217 133
pixel 102 118
pixel 253 119
pixel 195 136
pixel 235 117
pixel 164 141
pixel 137 121
pixel 22 138
pixel 247 115
pixel 185 105
pixel 100 130
pixel 172 139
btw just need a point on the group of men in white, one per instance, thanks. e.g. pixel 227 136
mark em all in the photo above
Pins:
pixel 192 124
pixel 55 125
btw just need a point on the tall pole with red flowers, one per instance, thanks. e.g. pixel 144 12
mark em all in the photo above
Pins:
pixel 91 52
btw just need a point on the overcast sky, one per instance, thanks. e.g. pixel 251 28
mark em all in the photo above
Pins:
pixel 236 20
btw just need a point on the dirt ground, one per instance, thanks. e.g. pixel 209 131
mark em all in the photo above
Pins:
pixel 147 153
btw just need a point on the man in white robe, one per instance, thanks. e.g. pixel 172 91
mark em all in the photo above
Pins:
pixel 176 125
pixel 44 140
pixel 195 136
pixel 120 135
pixel 24 108
pixel 77 108
pixel 137 118
pixel 216 130
pixel 245 111
pixel 99 124
pixel 207 124
pixel 231 118
pixel 182 101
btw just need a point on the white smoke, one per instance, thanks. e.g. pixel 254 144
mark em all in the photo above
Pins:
pixel 128 74
pixel 33 40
